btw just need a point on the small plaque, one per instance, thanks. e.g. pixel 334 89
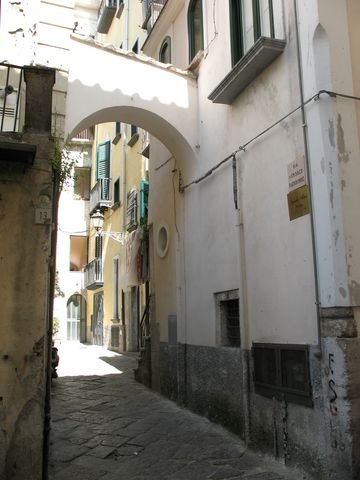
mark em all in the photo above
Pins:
pixel 298 202
pixel 296 174
pixel 42 216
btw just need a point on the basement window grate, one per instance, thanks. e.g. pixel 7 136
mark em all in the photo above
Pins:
pixel 282 371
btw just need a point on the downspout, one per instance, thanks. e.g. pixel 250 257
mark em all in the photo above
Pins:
pixel 308 169
pixel 124 198
pixel 243 313
pixel 50 309
pixel 126 46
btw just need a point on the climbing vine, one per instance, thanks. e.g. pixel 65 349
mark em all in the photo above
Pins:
pixel 63 163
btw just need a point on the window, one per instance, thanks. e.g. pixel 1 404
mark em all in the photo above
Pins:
pixel 82 183
pixel 165 51
pixel 103 161
pixel 78 252
pixel 103 169
pixel 116 196
pixel 282 371
pixel 131 211
pixel 144 200
pixel 249 20
pixel 195 28
pixel 255 44
pixel 228 318
pixel 230 329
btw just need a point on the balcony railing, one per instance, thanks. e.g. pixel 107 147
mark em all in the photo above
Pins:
pixel 93 275
pixel 152 10
pixel 100 195
pixel 12 98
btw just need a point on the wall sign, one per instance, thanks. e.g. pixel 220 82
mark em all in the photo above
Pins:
pixel 298 202
pixel 42 215
pixel 296 174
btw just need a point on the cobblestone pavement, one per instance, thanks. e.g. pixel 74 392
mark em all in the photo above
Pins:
pixel 107 426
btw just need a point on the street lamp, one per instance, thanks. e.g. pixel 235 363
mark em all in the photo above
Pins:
pixel 98 223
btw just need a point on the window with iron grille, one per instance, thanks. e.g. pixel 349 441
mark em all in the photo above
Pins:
pixel 131 210
pixel 228 318
pixel 282 371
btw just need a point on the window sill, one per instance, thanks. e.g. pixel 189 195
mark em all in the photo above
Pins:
pixel 255 61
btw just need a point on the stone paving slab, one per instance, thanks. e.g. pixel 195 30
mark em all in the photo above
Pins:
pixel 106 426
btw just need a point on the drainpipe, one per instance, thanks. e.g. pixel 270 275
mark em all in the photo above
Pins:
pixel 50 309
pixel 124 182
pixel 126 25
pixel 126 46
pixel 308 169
pixel 243 312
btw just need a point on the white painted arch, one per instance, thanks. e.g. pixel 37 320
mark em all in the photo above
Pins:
pixel 106 84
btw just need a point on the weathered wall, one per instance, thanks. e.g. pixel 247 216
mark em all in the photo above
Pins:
pixel 25 236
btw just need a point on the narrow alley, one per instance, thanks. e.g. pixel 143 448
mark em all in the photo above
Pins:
pixel 107 426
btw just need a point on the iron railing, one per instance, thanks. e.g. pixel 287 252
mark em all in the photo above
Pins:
pixel 151 12
pixel 12 95
pixel 100 195
pixel 93 274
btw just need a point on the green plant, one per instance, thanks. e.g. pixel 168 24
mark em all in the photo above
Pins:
pixel 63 163
pixel 56 326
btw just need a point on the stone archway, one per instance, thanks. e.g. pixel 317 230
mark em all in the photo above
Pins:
pixel 135 89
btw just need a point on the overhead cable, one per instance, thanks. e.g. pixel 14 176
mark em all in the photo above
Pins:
pixel 242 147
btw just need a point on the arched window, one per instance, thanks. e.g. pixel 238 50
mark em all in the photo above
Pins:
pixel 76 313
pixel 195 27
pixel 165 51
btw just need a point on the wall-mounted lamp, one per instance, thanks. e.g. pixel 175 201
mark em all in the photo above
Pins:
pixel 98 223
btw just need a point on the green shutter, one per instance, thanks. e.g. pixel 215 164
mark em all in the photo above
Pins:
pixel 144 196
pixel 103 160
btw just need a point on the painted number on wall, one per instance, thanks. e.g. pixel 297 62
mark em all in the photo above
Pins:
pixel 42 215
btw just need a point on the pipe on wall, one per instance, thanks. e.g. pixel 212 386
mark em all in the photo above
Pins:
pixel 308 169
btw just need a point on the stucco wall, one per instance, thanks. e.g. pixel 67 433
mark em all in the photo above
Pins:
pixel 25 247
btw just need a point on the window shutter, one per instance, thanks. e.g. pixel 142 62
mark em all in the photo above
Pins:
pixel 103 160
pixel 131 211
pixel 144 196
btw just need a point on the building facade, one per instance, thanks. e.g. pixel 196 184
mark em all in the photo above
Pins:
pixel 258 327
pixel 252 108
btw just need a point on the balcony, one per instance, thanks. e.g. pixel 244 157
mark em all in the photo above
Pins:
pixel 12 98
pixel 100 195
pixel 152 10
pixel 107 12
pixel 93 275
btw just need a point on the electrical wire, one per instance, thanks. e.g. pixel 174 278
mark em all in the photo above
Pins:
pixel 242 148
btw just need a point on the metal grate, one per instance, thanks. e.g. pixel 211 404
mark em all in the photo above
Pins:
pixel 230 331
pixel 11 87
